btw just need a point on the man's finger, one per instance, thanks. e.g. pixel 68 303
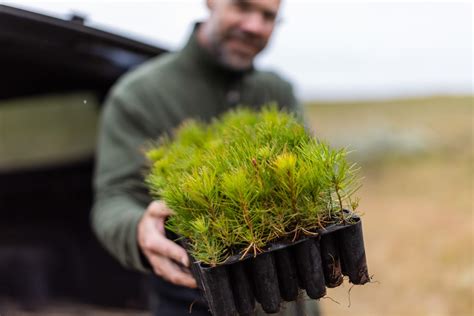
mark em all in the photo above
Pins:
pixel 159 209
pixel 171 272
pixel 162 246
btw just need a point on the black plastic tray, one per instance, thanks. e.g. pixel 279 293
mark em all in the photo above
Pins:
pixel 283 269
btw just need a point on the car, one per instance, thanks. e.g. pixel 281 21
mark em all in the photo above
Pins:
pixel 55 73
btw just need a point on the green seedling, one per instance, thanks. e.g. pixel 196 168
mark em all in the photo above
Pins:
pixel 247 179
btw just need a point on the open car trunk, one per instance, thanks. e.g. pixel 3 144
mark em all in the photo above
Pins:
pixel 55 74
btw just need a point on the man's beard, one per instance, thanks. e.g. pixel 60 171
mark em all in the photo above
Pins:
pixel 232 59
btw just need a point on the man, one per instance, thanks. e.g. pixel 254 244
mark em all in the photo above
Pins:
pixel 211 74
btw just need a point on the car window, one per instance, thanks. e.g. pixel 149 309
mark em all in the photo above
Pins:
pixel 47 129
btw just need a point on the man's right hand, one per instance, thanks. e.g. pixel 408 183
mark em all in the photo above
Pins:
pixel 164 255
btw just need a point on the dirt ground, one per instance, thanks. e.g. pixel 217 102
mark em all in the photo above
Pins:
pixel 417 162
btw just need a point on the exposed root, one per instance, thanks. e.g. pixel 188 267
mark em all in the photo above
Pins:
pixel 349 295
pixel 190 310
pixel 330 298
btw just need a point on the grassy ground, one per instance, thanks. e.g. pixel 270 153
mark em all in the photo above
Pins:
pixel 417 159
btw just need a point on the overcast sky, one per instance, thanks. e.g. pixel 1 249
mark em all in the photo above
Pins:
pixel 329 50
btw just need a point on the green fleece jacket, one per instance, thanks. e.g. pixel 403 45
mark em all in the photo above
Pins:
pixel 151 100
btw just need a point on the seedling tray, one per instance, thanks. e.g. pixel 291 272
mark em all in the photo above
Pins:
pixel 283 269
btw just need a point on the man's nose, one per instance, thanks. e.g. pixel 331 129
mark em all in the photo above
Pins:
pixel 254 23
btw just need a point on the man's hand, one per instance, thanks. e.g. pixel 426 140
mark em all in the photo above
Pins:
pixel 168 260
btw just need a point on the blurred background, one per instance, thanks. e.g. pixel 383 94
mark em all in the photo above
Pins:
pixel 391 80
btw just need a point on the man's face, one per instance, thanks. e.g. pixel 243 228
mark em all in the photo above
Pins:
pixel 238 30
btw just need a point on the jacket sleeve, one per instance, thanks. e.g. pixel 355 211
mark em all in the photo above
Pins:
pixel 120 193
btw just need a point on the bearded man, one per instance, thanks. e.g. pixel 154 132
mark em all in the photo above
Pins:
pixel 213 73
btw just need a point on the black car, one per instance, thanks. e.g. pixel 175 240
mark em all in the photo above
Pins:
pixel 54 76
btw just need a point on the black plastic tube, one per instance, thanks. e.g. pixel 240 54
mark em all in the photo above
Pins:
pixel 218 291
pixel 331 261
pixel 352 251
pixel 242 289
pixel 287 274
pixel 266 282
pixel 310 271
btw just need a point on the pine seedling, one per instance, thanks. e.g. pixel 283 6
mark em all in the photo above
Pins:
pixel 247 179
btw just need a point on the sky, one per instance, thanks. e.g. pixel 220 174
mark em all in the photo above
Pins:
pixel 333 50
